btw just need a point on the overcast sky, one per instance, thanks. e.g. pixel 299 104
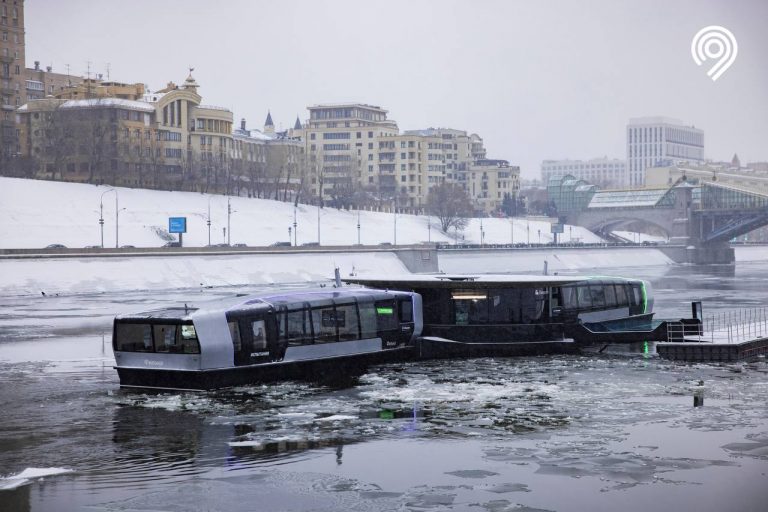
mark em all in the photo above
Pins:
pixel 536 79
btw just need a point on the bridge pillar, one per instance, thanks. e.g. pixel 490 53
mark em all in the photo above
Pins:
pixel 711 254
pixel 701 254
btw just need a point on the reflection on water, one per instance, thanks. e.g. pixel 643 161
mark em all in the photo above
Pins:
pixel 604 431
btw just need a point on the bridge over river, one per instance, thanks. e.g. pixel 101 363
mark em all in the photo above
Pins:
pixel 699 218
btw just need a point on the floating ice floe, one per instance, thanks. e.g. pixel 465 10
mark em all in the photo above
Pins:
pixel 28 475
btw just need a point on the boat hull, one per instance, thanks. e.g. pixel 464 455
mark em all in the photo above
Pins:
pixel 326 371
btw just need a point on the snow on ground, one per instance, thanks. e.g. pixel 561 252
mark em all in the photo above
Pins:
pixel 633 236
pixel 34 214
pixel 587 260
pixel 87 275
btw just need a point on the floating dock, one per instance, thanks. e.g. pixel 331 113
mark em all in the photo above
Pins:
pixel 739 336
pixel 713 352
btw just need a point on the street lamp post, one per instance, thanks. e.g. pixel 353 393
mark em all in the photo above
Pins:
pixel 395 211
pixel 208 222
pixel 101 213
pixel 295 231
pixel 289 233
pixel 482 233
pixel 512 231
pixel 229 227
pixel 429 230
pixel 358 227
pixel 528 232
pixel 539 237
pixel 320 205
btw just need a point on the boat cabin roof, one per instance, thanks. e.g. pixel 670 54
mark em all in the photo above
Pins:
pixel 267 300
pixel 463 281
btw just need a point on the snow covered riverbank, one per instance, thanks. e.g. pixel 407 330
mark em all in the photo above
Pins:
pixel 35 213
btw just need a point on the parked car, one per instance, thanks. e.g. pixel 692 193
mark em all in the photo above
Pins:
pixel 240 245
pixel 93 247
pixel 310 244
pixel 127 246
pixel 281 244
pixel 56 246
pixel 172 244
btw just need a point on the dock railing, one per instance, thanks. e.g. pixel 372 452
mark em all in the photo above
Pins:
pixel 729 327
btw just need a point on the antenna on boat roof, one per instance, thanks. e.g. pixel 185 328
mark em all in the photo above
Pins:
pixel 337 277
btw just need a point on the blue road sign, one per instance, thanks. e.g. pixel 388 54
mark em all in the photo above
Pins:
pixel 177 224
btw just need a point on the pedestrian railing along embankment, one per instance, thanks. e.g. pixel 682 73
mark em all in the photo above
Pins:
pixel 729 327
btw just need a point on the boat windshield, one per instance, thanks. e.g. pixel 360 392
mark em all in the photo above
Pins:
pixel 156 337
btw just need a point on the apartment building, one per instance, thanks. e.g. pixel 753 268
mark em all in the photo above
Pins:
pixel 604 172
pixel 12 84
pixel 273 162
pixel 490 181
pixel 651 140
pixel 341 142
pixel 168 139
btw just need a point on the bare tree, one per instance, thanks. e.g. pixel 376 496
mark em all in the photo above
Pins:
pixel 450 204
pixel 98 142
pixel 58 142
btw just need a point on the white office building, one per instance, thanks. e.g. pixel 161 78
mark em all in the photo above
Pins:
pixel 603 172
pixel 658 141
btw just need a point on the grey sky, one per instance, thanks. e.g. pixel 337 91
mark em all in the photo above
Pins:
pixel 536 79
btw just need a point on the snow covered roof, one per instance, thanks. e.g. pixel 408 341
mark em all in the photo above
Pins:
pixel 253 134
pixel 213 107
pixel 109 102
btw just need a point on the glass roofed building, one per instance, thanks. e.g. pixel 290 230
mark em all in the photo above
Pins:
pixel 569 194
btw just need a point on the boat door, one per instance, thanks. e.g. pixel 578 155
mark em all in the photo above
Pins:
pixel 254 339
pixel 407 325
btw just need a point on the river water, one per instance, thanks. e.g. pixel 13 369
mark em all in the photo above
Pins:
pixel 601 431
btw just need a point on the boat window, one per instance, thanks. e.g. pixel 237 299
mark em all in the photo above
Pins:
pixel 507 306
pixel 621 295
pixel 324 324
pixel 461 312
pixel 259 335
pixel 234 332
pixel 598 296
pixel 385 315
pixel 368 328
pixel 133 337
pixel 568 294
pixel 346 319
pixel 406 310
pixel 166 339
pixel 161 338
pixel 298 331
pixel 610 295
pixel 584 297
pixel 189 342
pixel 637 296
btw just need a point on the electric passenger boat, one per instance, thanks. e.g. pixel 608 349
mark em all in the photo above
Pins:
pixel 487 308
pixel 301 334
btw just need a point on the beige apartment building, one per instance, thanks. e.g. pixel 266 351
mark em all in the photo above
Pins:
pixel 167 140
pixel 354 148
pixel 341 143
pixel 272 163
pixel 490 181
pixel 405 167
